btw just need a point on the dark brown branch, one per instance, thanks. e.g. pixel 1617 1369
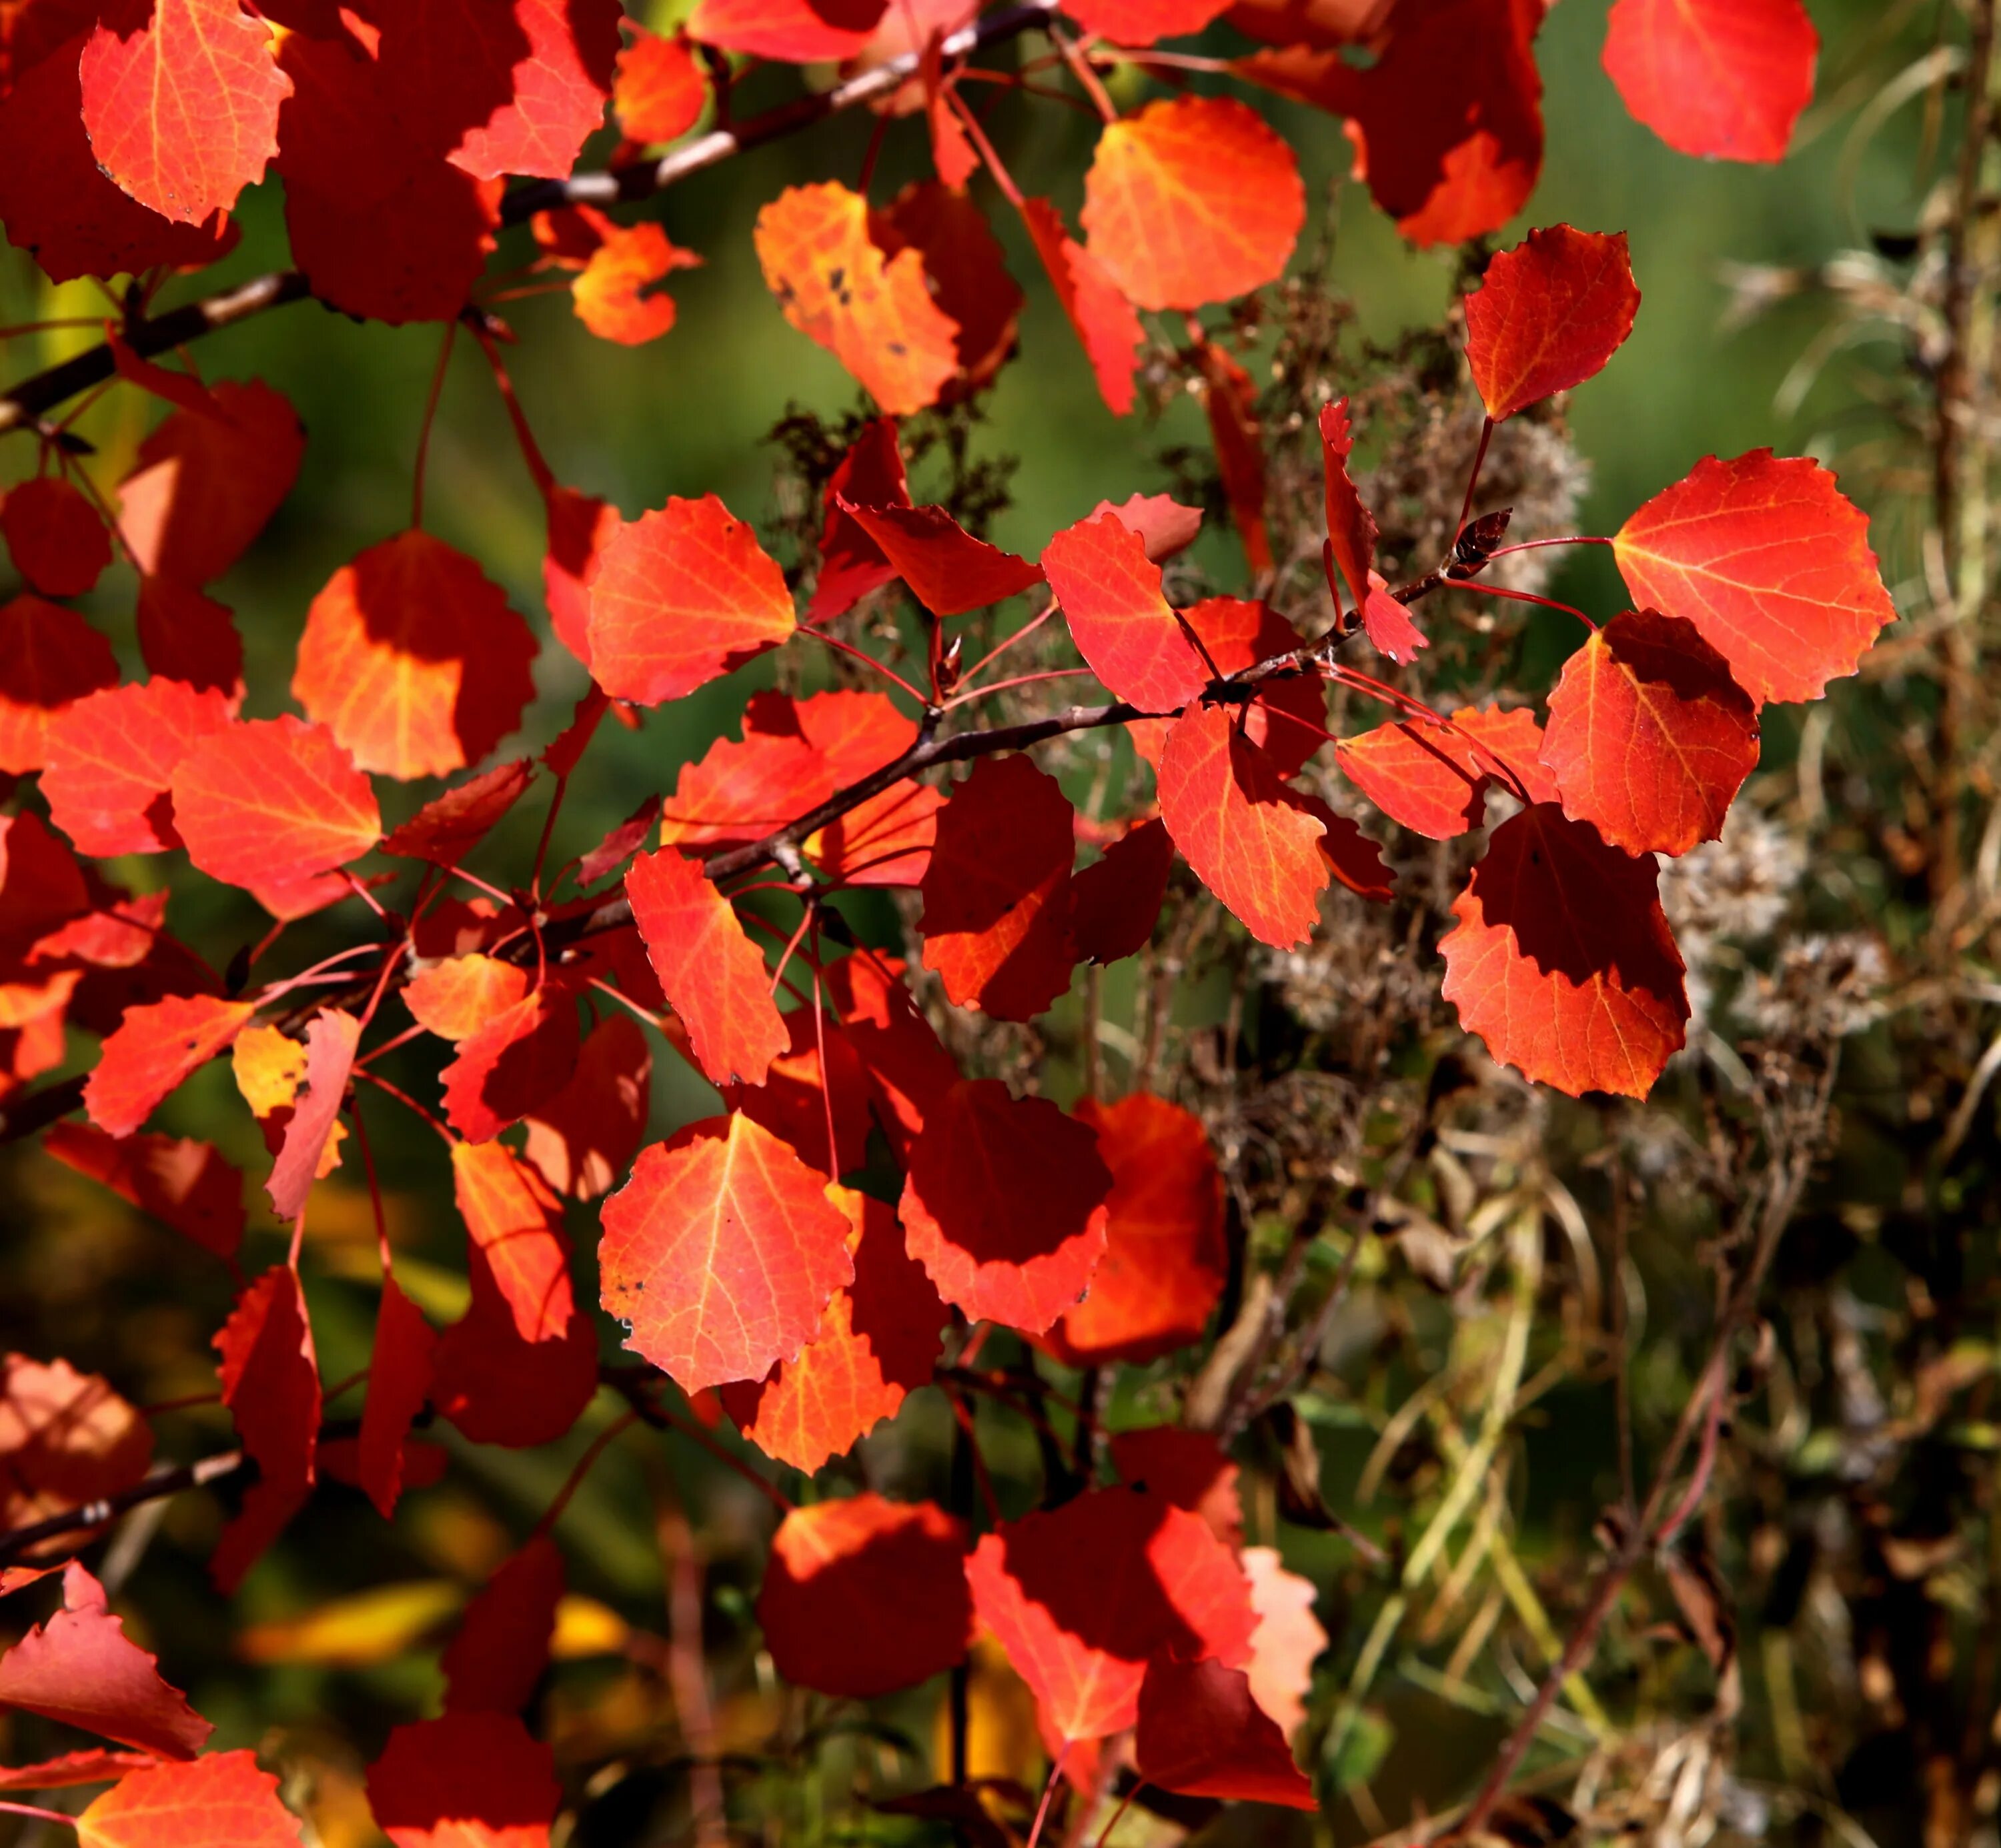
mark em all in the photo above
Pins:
pixel 23 405
pixel 206 1472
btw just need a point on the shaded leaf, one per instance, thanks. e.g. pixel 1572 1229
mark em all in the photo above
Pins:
pixel 1200 1734
pixel 270 1383
pixel 186 1184
pixel 502 1645
pixel 1115 902
pixel 399 1379
pixel 580 1139
pixel 55 536
pixel 947 569
pixel 464 1780
pixel 66 1439
pixel 517 1060
pixel 49 658
pixel 1434 781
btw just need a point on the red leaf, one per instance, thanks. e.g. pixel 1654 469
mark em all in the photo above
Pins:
pixel 49 658
pixel 41 885
pixel 1201 1735
pixel 1433 780
pixel 909 1071
pixel 492 1664
pixel 1192 200
pixel 877 1344
pixel 1727 78
pixel 680 597
pixel 997 893
pixel 449 827
pixel 1110 591
pixel 1083 1596
pixel 270 801
pixel 66 1439
pixel 56 537
pixel 851 564
pixel 1115 902
pixel 884 841
pixel 95 1765
pixel 1549 314
pixel 1769 560
pixel 660 89
pixel 1102 318
pixel 81 1669
pixel 1187 1469
pixel 465 1780
pixel 203 487
pixel 223 1801
pixel 1562 960
pixel 1167 527
pixel 1005 1205
pixel 581 1140
pixel 721 1253
pixel 798 1104
pixel 186 1184
pixel 399 1381
pixel 617 297
pixel 185 636
pixel 800 32
pixel 1229 402
pixel 521 84
pixel 510 1214
pixel 57 203
pixel 947 569
pixel 1388 625
pixel 331 1041
pixel 155 1047
pixel 737 792
pixel 1649 737
pixel 1239 634
pixel 1143 22
pixel 964 263
pixel 580 527
pixel 874 314
pixel 863 1596
pixel 1163 1265
pixel 412 660
pixel 1249 838
pixel 497 1388
pixel 270 1382
pixel 517 1061
pixel 181 101
pixel 1351 527
pixel 112 756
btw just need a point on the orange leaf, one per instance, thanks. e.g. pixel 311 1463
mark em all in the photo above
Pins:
pixel 1649 737
pixel 721 1253
pixel 877 1344
pixel 464 1780
pixel 737 792
pixel 660 89
pixel 155 1047
pixel 1562 960
pixel 1433 780
pixel 580 1139
pixel 1724 79
pixel 708 968
pixel 1110 591
pixel 273 801
pixel 1238 634
pixel 66 1439
pixel 863 1596
pixel 270 1381
pixel 1549 316
pixel 49 658
pixel 1102 318
pixel 455 998
pixel 1163 1265
pixel 679 596
pixel 876 317
pixel 1192 200
pixel 399 1379
pixel 510 1214
pixel 615 297
pixel 1201 1734
pixel 1770 562
pixel 967 270
pixel 996 920
pixel 223 1801
pixel 412 660
pixel 186 1184
pixel 180 100
pixel 55 536
pixel 1249 838
pixel 885 840
pixel 519 1058
pixel 1005 1205
pixel 112 756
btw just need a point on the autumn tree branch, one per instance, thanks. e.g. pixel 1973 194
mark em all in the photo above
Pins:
pixel 22 406
pixel 206 1472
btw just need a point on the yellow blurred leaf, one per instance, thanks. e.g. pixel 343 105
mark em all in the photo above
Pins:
pixel 356 1632
pixel 586 1627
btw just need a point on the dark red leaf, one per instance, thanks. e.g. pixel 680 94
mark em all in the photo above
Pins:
pixel 399 1381
pixel 186 1184
pixel 1115 902
pixel 1201 1735
pixel 464 1780
pixel 270 1382
pixel 502 1646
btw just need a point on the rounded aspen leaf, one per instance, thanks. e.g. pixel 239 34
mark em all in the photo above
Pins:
pixel 863 1596
pixel 112 756
pixel 1249 837
pixel 1123 626
pixel 456 997
pixel 49 658
pixel 1550 314
pixel 1163 1264
pixel 876 1345
pixel 182 110
pixel 1649 737
pixel 965 265
pixel 272 801
pixel 1726 78
pixel 681 595
pixel 800 32
pixel 998 891
pixel 721 1253
pixel 875 315
pixel 1081 1597
pixel 464 1780
pixel 1192 200
pixel 708 969
pixel 660 89
pixel 580 1140
pixel 502 1645
pixel 616 296
pixel 512 1215
pixel 1433 780
pixel 412 660
pixel 1115 902
pixel 1239 634
pixel 1767 558
pixel 1189 1469
pixel 1562 960
pixel 55 536
pixel 909 1073
pixel 223 1801
pixel 185 636
pixel 1005 1205
pixel 1201 1734
pixel 66 1438
pixel 155 1046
